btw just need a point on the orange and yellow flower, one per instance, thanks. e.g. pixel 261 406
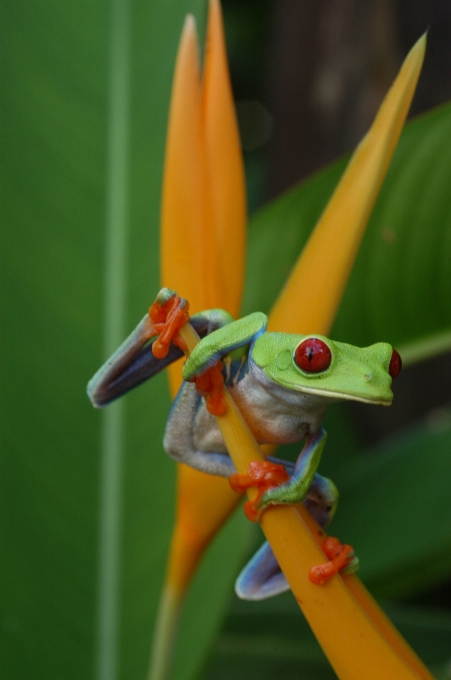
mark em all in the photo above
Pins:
pixel 203 242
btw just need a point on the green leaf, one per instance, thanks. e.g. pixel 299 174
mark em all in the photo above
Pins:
pixel 394 499
pixel 271 638
pixel 278 232
pixel 427 630
pixel 400 286
pixel 267 639
pixel 394 509
pixel 85 94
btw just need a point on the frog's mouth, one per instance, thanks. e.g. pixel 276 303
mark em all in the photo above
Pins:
pixel 366 393
pixel 333 395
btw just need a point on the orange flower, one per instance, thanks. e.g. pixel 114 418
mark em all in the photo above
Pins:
pixel 203 220
pixel 203 227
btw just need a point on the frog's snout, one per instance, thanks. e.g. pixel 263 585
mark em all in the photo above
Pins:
pixel 394 367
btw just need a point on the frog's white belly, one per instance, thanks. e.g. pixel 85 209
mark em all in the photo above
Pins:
pixel 275 415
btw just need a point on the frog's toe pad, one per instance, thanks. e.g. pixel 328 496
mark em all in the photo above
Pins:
pixel 352 567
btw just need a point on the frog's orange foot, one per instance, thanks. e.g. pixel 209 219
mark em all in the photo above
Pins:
pixel 210 384
pixel 262 474
pixel 341 558
pixel 168 314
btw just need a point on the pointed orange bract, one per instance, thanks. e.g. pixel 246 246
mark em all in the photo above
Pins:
pixel 203 215
pixel 327 259
pixel 189 252
pixel 197 497
pixel 203 223
pixel 225 164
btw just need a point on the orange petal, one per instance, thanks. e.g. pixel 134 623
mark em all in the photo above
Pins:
pixel 225 164
pixel 322 270
pixel 196 499
pixel 189 254
pixel 203 222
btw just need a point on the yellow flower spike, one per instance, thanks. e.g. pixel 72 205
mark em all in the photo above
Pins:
pixel 203 223
pixel 330 252
pixel 210 111
pixel 225 163
pixel 189 251
pixel 357 645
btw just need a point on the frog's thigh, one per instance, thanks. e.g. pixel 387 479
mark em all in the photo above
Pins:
pixel 206 433
pixel 261 577
pixel 181 442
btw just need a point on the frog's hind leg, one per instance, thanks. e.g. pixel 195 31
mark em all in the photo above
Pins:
pixel 321 500
pixel 262 577
pixel 179 440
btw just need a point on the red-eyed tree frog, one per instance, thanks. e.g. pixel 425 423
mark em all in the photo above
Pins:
pixel 282 384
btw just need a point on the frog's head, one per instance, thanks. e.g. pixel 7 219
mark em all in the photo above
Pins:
pixel 317 365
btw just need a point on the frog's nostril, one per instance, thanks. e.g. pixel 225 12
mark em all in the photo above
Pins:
pixel 395 364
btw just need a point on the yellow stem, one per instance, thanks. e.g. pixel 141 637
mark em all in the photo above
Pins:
pixel 360 644
pixel 368 603
pixel 165 633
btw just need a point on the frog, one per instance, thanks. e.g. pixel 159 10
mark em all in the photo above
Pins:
pixel 281 382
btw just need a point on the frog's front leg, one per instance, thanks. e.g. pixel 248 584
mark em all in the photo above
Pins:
pixel 296 488
pixel 189 423
pixel 321 499
pixel 270 490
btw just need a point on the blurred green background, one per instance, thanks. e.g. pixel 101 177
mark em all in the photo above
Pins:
pixel 87 498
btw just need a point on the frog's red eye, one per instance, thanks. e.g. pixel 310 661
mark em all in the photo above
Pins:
pixel 313 356
pixel 395 364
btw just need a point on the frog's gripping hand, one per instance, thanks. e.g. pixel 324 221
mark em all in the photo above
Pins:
pixel 134 362
pixel 275 489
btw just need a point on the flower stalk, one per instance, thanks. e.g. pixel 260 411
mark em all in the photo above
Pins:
pixel 358 639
